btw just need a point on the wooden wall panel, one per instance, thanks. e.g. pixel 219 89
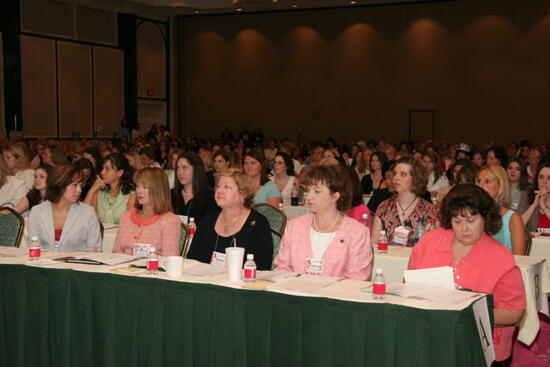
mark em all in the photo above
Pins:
pixel 38 78
pixel 108 89
pixel 2 118
pixel 151 60
pixel 355 72
pixel 75 89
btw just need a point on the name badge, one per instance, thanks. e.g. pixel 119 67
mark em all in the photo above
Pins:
pixel 218 259
pixel 400 236
pixel 141 250
pixel 314 266
pixel 184 219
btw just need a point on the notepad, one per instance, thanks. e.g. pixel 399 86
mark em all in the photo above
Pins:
pixel 100 258
pixel 440 277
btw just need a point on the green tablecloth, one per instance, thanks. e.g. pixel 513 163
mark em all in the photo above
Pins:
pixel 70 318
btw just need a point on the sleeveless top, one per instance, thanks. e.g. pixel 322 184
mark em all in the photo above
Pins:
pixel 110 209
pixel 504 236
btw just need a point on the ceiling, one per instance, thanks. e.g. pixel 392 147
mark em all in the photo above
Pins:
pixel 201 7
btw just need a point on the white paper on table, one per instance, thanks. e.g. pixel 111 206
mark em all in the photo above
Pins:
pixel 441 277
pixel 48 263
pixel 6 251
pixel 196 268
pixel 274 276
pixel 483 324
pixel 438 295
pixel 305 283
pixel 107 258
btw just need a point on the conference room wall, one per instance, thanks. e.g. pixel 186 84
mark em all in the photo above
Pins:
pixel 355 72
pixel 2 118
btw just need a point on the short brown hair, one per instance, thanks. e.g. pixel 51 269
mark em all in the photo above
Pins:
pixel 471 199
pixel 336 179
pixel 159 191
pixel 61 176
pixel 243 182
pixel 419 174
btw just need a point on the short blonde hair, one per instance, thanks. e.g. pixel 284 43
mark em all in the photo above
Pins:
pixel 243 182
pixel 159 191
pixel 498 173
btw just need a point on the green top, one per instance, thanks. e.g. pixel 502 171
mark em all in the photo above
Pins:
pixel 110 209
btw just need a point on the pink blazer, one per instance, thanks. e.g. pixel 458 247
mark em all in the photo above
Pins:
pixel 349 255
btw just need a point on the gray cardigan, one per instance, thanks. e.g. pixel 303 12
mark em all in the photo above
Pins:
pixel 80 231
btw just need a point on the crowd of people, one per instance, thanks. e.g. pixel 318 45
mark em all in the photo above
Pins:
pixel 486 200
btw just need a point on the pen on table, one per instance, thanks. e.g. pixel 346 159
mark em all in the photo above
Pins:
pixel 143 267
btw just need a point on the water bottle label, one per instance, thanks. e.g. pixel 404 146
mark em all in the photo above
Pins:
pixel 379 289
pixel 250 273
pixel 382 246
pixel 34 252
pixel 153 264
pixel 191 231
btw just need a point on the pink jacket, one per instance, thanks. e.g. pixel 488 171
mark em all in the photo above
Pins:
pixel 349 255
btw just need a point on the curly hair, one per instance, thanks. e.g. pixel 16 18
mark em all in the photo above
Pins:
pixel 468 199
pixel 243 182
pixel 336 180
pixel 120 162
pixel 419 174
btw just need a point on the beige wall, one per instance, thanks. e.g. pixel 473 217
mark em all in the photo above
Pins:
pixel 354 73
pixel 2 118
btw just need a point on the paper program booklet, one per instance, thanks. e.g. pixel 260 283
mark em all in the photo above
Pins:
pixel 99 258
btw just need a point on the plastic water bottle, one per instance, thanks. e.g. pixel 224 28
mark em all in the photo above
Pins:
pixel 249 269
pixel 34 249
pixel 152 262
pixel 379 285
pixel 365 219
pixel 431 225
pixel 383 242
pixel 191 227
pixel 419 231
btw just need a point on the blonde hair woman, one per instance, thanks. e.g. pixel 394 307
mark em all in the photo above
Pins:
pixel 18 164
pixel 12 189
pixel 494 180
pixel 151 221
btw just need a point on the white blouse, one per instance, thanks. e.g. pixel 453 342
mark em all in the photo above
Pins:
pixel 320 242
pixel 286 192
pixel 436 186
pixel 12 191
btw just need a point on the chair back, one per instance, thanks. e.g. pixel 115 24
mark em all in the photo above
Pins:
pixel 277 224
pixel 11 227
pixel 184 241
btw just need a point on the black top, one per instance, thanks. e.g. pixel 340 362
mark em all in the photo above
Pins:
pixel 210 179
pixel 194 208
pixel 34 198
pixel 254 236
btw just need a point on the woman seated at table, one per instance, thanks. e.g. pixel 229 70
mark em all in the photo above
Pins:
pixel 436 177
pixel 283 176
pixel 469 217
pixel 151 221
pixel 266 191
pixel 235 224
pixel 325 241
pixel 374 179
pixel 409 181
pixel 12 189
pixel 493 179
pixel 192 196
pixel 113 193
pixel 18 164
pixel 38 194
pixel 517 177
pixel 222 160
pixel 534 205
pixel 75 225
pixel 316 154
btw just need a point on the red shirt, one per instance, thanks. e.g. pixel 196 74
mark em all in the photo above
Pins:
pixel 489 267
pixel 544 222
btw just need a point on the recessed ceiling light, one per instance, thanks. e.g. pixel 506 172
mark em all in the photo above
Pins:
pixel 239 9
pixel 275 1
pixel 294 6
pixel 196 12
pixel 353 2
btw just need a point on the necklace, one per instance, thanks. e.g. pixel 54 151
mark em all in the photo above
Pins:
pixel 329 228
pixel 227 227
pixel 403 211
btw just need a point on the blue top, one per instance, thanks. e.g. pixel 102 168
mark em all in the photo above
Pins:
pixel 267 191
pixel 504 236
